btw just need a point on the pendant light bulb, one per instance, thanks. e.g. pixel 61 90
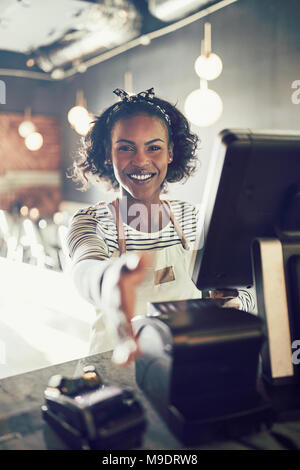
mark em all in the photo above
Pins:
pixel 203 107
pixel 26 127
pixel 34 141
pixel 76 114
pixel 209 67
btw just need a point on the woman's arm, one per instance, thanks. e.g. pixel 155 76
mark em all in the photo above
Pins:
pixel 247 297
pixel 242 299
pixel 108 283
pixel 89 255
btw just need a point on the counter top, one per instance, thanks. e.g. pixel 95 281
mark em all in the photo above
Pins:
pixel 22 425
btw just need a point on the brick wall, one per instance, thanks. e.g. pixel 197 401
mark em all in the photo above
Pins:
pixel 14 156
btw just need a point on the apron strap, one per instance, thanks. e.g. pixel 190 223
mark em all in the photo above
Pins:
pixel 178 228
pixel 120 227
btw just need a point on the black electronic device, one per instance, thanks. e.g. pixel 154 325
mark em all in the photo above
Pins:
pixel 199 367
pixel 89 414
pixel 252 234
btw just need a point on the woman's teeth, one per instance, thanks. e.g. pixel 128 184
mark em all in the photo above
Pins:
pixel 142 177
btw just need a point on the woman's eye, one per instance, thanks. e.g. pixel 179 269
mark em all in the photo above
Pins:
pixel 154 148
pixel 126 148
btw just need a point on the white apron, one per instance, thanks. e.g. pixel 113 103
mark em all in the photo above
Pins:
pixel 167 278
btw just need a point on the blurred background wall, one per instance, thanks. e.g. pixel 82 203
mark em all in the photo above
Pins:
pixel 43 187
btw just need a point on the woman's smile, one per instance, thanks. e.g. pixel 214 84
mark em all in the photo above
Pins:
pixel 141 177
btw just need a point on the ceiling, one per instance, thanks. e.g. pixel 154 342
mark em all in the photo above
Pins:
pixel 54 36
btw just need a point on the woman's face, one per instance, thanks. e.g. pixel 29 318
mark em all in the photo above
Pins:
pixel 140 154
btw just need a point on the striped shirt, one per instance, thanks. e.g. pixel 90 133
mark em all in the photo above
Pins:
pixel 93 232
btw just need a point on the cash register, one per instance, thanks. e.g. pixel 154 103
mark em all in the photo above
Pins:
pixel 200 362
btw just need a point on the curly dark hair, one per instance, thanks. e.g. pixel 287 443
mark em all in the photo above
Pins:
pixel 97 143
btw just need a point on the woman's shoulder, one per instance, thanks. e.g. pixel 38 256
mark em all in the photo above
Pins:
pixel 186 212
pixel 180 205
pixel 93 220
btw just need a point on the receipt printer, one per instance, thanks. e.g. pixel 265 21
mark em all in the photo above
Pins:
pixel 199 366
pixel 89 414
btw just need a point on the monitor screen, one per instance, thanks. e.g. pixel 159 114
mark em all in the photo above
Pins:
pixel 250 176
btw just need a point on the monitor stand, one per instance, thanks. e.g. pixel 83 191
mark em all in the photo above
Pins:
pixel 276 269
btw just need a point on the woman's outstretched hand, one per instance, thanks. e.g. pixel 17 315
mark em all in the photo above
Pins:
pixel 121 305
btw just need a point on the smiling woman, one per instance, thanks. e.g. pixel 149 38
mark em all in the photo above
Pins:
pixel 96 152
pixel 136 250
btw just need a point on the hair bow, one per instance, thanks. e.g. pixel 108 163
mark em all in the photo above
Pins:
pixel 146 96
pixel 143 95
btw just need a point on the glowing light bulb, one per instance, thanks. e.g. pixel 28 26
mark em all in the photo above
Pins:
pixel 34 141
pixel 30 62
pixel 208 67
pixel 203 107
pixel 83 125
pixel 34 213
pixel 26 128
pixel 58 218
pixel 77 114
pixel 58 74
pixel 43 223
pixel 24 211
